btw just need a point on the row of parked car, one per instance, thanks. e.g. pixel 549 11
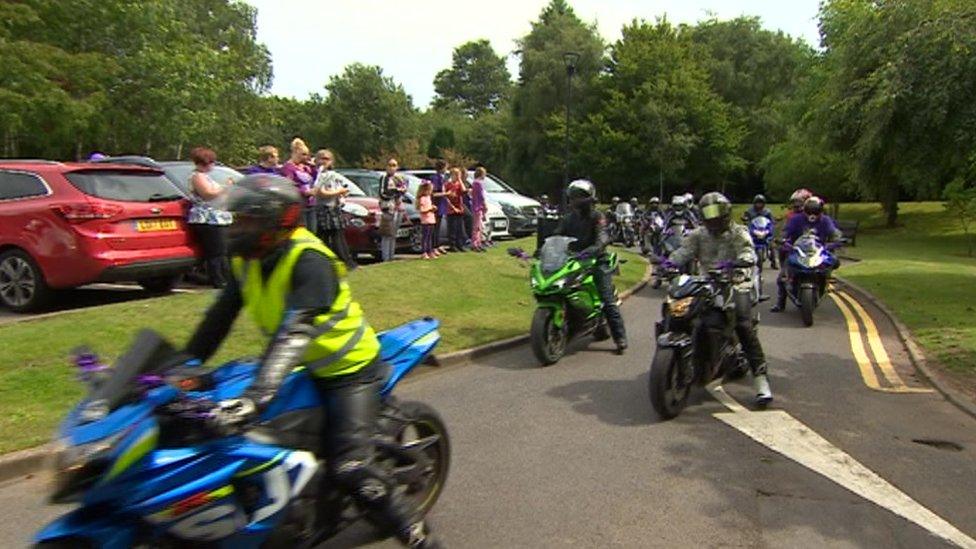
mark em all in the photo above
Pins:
pixel 65 224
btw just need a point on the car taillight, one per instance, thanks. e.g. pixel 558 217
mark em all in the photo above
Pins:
pixel 81 212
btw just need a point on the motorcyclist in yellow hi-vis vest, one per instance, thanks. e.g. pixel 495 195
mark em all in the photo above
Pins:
pixel 296 291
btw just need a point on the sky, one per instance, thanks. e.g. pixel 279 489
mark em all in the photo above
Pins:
pixel 311 40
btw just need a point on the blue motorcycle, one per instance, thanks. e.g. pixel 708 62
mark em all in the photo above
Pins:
pixel 142 459
pixel 808 269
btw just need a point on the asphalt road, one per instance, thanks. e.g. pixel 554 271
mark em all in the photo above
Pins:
pixel 574 455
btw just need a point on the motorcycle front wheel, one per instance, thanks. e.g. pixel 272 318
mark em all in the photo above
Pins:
pixel 668 392
pixel 548 340
pixel 807 304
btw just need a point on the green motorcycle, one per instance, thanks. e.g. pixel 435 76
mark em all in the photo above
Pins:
pixel 569 304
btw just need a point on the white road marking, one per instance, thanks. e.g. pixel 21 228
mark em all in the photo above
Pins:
pixel 781 432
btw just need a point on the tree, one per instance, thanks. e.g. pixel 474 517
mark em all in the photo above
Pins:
pixel 961 203
pixel 541 92
pixel 758 72
pixel 478 80
pixel 657 115
pixel 368 112
pixel 902 76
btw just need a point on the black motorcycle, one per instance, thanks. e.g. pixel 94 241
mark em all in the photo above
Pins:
pixel 696 341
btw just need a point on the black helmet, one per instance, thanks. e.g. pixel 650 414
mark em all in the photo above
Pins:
pixel 580 192
pixel 264 207
pixel 716 211
pixel 759 198
pixel 813 206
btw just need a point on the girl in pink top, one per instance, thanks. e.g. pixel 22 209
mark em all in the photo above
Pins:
pixel 428 219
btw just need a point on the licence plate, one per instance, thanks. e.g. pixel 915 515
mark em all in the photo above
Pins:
pixel 499 224
pixel 534 221
pixel 153 225
pixel 403 232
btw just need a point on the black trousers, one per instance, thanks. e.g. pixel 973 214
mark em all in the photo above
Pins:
pixel 604 283
pixel 351 405
pixel 212 241
pixel 335 239
pixel 455 231
pixel 437 232
pixel 745 329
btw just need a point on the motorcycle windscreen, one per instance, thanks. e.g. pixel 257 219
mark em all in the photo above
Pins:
pixel 761 223
pixel 624 208
pixel 148 354
pixel 554 253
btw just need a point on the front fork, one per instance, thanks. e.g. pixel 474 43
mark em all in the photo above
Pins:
pixel 682 346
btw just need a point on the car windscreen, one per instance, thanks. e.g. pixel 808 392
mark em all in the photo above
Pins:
pixel 354 189
pixel 124 185
pixel 179 174
pixel 495 185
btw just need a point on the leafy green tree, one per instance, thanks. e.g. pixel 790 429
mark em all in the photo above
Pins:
pixel 657 116
pixel 541 92
pixel 899 94
pixel 961 203
pixel 758 72
pixel 368 112
pixel 478 80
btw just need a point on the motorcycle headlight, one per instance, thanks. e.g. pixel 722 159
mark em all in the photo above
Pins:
pixel 77 467
pixel 680 307
pixel 811 261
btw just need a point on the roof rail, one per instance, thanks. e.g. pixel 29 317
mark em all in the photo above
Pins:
pixel 27 161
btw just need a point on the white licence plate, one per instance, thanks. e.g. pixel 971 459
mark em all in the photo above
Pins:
pixel 403 232
pixel 499 224
pixel 534 221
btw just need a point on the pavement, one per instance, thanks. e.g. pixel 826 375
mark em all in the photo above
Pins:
pixel 573 454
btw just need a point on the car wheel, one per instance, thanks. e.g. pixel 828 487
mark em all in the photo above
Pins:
pixel 416 238
pixel 160 284
pixel 22 285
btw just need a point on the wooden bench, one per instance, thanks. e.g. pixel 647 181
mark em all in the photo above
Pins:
pixel 849 228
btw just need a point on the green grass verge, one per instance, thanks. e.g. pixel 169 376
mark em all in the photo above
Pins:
pixel 921 271
pixel 478 298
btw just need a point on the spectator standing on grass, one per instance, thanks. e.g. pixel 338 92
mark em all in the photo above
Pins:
pixel 455 191
pixel 392 187
pixel 466 198
pixel 438 180
pixel 207 222
pixel 479 208
pixel 428 219
pixel 330 194
pixel 301 171
pixel 268 162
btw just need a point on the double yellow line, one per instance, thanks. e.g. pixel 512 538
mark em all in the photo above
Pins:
pixel 852 311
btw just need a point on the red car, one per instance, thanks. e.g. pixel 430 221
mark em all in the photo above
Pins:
pixel 68 224
pixel 361 214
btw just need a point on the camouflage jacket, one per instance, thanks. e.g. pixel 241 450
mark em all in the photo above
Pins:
pixel 734 244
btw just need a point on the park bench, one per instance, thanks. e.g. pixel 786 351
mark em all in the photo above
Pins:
pixel 849 228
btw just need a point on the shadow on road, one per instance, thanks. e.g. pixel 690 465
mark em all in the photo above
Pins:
pixel 621 402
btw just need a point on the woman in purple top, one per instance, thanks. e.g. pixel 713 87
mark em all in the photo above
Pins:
pixel 478 208
pixel 300 170
pixel 267 162
pixel 440 199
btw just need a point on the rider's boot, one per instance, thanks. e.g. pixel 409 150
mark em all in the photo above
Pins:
pixel 764 395
pixel 418 536
pixel 780 297
pixel 621 343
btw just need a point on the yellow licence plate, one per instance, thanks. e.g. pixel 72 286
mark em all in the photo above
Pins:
pixel 151 225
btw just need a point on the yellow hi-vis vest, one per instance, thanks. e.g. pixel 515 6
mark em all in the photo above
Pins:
pixel 344 343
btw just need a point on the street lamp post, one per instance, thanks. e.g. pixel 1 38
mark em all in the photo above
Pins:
pixel 571 58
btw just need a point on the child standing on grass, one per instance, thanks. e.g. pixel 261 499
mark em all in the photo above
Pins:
pixel 428 218
pixel 478 208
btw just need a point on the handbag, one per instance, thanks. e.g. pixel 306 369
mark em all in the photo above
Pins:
pixel 387 227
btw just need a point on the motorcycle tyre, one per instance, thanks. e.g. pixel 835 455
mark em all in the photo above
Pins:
pixel 539 332
pixel 807 305
pixel 664 362
pixel 422 414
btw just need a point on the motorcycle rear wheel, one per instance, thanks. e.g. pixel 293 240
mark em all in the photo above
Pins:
pixel 667 397
pixel 548 340
pixel 424 422
pixel 807 305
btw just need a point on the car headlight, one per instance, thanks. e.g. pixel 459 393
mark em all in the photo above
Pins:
pixel 357 222
pixel 680 307
pixel 77 467
pixel 510 210
pixel 357 210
